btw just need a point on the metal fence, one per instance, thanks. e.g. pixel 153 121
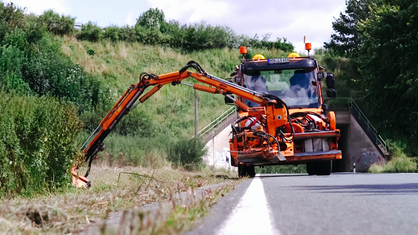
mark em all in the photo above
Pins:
pixel 216 122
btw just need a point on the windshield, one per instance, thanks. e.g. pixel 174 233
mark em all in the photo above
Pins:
pixel 297 87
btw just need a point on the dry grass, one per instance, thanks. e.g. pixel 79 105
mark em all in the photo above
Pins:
pixel 68 211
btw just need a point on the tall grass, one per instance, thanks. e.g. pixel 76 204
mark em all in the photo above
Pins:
pixel 400 162
pixel 37 143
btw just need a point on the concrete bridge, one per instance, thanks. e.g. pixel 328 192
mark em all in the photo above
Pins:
pixel 359 142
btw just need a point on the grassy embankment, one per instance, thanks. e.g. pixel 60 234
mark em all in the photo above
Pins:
pixel 166 116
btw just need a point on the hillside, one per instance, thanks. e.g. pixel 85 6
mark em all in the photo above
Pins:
pixel 169 114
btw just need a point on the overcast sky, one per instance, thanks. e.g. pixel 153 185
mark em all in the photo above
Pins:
pixel 290 19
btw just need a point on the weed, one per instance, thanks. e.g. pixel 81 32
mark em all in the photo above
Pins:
pixel 187 153
pixel 399 162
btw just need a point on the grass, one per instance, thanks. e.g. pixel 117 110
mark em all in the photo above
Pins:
pixel 400 162
pixel 121 63
pixel 69 210
pixel 166 116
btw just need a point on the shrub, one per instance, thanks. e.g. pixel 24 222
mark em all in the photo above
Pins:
pixel 49 73
pixel 10 18
pixel 16 38
pixel 186 153
pixel 396 165
pixel 128 34
pixel 90 32
pixel 112 33
pixel 151 19
pixel 399 162
pixel 11 60
pixel 56 24
pixel 37 143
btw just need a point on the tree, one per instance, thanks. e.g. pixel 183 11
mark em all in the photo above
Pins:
pixel 346 41
pixel 389 69
pixel 151 19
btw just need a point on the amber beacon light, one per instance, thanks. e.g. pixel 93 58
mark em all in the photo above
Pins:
pixel 243 50
pixel 308 46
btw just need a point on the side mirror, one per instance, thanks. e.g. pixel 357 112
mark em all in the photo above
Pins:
pixel 331 93
pixel 228 100
pixel 321 75
pixel 330 81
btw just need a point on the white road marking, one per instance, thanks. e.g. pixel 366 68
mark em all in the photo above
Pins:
pixel 251 215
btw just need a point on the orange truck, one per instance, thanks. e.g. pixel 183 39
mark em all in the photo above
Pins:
pixel 282 116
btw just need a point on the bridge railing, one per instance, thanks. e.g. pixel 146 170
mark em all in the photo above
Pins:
pixel 205 130
pixel 366 125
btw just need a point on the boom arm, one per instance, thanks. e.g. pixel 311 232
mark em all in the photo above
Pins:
pixel 272 107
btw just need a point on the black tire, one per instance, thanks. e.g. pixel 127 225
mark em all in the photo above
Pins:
pixel 311 168
pixel 251 171
pixel 246 171
pixel 324 168
pixel 242 170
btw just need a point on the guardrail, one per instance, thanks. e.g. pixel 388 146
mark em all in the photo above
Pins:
pixel 365 124
pixel 216 122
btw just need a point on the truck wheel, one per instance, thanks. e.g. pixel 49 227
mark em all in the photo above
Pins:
pixel 251 171
pixel 324 168
pixel 311 168
pixel 242 170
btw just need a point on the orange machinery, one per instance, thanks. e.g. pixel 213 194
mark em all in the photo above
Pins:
pixel 274 125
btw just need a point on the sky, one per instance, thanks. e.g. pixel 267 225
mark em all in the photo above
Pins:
pixel 292 19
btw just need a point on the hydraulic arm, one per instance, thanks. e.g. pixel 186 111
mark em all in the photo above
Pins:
pixel 272 114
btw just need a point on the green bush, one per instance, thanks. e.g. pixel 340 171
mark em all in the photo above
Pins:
pixel 56 24
pixel 151 19
pixel 37 143
pixel 400 162
pixel 11 60
pixel 112 33
pixel 90 32
pixel 50 73
pixel 186 153
pixel 11 17
pixel 128 34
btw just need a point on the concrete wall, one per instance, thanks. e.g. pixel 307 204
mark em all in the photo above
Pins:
pixel 218 150
pixel 355 145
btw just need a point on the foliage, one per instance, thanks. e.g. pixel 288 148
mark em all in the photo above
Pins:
pixel 113 33
pixel 10 18
pixel 151 19
pixel 151 28
pixel 56 24
pixel 90 32
pixel 37 143
pixel 187 153
pixel 346 40
pixel 11 60
pixel 399 162
pixel 389 70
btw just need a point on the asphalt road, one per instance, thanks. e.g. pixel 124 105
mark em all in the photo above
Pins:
pixel 343 203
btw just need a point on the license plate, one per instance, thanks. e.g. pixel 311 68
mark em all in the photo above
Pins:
pixel 278 61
